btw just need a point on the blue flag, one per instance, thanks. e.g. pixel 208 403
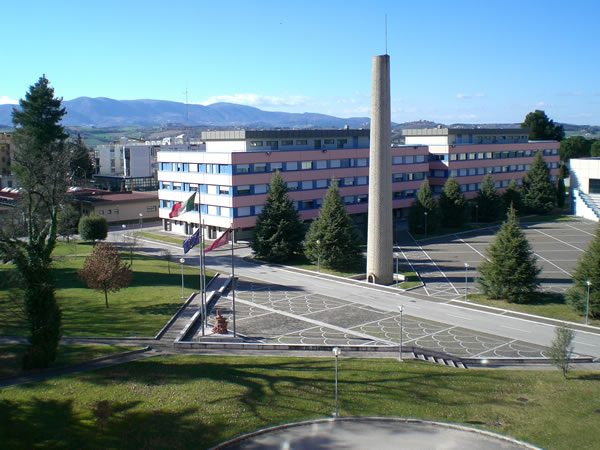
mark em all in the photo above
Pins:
pixel 191 242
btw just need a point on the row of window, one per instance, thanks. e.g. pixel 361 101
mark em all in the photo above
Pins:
pixel 493 155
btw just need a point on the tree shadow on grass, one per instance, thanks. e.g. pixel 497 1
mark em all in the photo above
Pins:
pixel 160 309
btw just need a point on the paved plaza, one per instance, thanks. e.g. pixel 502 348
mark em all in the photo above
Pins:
pixel 276 314
pixel 440 261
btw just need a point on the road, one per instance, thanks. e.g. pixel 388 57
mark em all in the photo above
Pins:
pixel 587 340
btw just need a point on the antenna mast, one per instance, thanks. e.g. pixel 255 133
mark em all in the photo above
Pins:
pixel 386 34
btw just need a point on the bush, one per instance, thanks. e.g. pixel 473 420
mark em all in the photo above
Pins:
pixel 93 228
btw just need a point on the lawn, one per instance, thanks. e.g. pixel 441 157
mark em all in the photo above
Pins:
pixel 142 309
pixel 199 401
pixel 159 237
pixel 11 356
pixel 543 304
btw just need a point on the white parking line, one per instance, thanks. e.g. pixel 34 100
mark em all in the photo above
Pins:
pixel 516 329
pixel 494 348
pixel 436 266
pixel 559 240
pixel 550 262
pixel 578 229
pixel 472 248
pixel 583 343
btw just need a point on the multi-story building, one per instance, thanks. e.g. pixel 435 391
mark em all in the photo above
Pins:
pixel 232 174
pixel 470 153
pixel 585 187
pixel 5 159
pixel 131 164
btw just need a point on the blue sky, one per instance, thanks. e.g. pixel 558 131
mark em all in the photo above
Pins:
pixel 451 61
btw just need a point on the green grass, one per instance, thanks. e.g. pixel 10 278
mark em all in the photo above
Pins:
pixel 411 279
pixel 542 304
pixel 142 309
pixel 64 248
pixel 160 237
pixel 199 401
pixel 11 356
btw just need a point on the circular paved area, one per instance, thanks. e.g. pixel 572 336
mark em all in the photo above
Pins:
pixel 380 433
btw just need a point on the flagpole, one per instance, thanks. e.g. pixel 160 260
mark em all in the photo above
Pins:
pixel 233 279
pixel 204 318
pixel 201 247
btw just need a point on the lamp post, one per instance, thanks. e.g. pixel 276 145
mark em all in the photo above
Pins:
pixel 318 255
pixel 141 215
pixel 182 261
pixel 397 255
pixel 476 213
pixel 466 279
pixel 425 214
pixel 336 352
pixel 587 302
pixel 401 308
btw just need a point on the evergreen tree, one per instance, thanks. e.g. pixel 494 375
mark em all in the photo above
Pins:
pixel 418 221
pixel 588 269
pixel 41 165
pixel 560 193
pixel 509 271
pixel 489 204
pixel 278 232
pixel 331 238
pixel 541 128
pixel 512 196
pixel 67 221
pixel 453 205
pixel 539 193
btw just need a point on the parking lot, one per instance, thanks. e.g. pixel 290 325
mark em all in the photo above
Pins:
pixel 448 263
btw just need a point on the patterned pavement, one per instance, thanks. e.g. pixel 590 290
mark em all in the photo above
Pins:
pixel 277 314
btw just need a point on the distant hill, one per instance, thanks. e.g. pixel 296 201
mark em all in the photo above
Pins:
pixel 106 112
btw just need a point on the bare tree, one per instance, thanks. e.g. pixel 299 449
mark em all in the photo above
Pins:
pixel 168 256
pixel 562 348
pixel 104 271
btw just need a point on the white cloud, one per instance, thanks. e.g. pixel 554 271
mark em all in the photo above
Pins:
pixel 257 100
pixel 466 96
pixel 4 100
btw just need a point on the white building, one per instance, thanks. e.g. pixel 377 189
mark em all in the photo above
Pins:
pixel 585 187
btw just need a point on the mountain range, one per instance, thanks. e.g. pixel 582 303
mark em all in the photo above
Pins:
pixel 105 112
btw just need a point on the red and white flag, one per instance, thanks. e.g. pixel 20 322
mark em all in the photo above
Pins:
pixel 180 208
pixel 218 242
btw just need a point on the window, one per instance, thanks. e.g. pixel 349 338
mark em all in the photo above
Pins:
pixel 108 211
pixel 211 189
pixel 335 163
pixel 420 158
pixel 481 171
pixel 306 165
pixel 453 157
pixel 328 141
pixel 348 200
pixel 258 209
pixel 361 162
pixel 409 159
pixel 193 167
pixel 260 188
pixel 397 160
pixel 291 166
pixel 193 188
pixel 176 186
pixel 287 142
pixel 101 212
pixel 348 181
pixel 361 198
pixel 149 209
pixel 320 184
pixel 489 155
pixel 419 175
pixel 292 185
pixel 480 155
pixel 321 164
pixel 307 184
pixel 242 168
pixel 225 212
pixel 116 211
pixel 273 145
pixel 462 156
pixel 275 166
pixel 260 167
pixel 462 172
pixel 301 142
pixel 471 155
pixel 361 180
pixel 243 211
pixel 243 190
pixel 224 190
pixel 341 143
pixel 397 177
pixel 256 143
pixel 212 210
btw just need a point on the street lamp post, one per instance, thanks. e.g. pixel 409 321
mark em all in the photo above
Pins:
pixel 401 308
pixel 182 261
pixel 466 280
pixel 397 255
pixel 425 214
pixel 141 215
pixel 587 302
pixel 318 255
pixel 337 352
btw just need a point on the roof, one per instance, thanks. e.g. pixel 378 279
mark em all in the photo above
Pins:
pixel 241 135
pixel 99 196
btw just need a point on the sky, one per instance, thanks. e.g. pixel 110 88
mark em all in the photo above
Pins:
pixel 451 61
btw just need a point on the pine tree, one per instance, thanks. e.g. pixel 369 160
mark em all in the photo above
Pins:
pixel 539 193
pixel 418 221
pixel 512 196
pixel 509 271
pixel 488 202
pixel 41 165
pixel 560 193
pixel 331 238
pixel 588 269
pixel 278 232
pixel 453 205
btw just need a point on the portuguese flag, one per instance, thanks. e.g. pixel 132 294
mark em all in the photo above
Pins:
pixel 180 208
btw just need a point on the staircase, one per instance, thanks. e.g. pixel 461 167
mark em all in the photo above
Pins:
pixel 592 201
pixel 445 360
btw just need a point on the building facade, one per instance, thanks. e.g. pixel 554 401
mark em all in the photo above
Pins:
pixel 231 174
pixel 584 187
pixel 116 207
pixel 6 179
pixel 471 153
